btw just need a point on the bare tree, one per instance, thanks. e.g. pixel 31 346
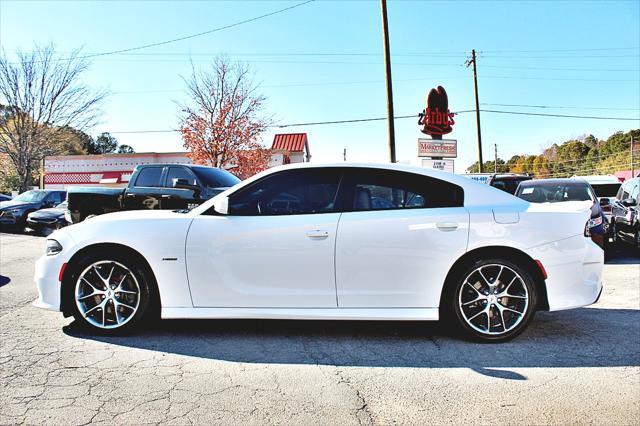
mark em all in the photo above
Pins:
pixel 41 94
pixel 222 124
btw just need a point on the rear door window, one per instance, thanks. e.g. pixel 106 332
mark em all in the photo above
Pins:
pixel 376 189
pixel 180 173
pixel 149 177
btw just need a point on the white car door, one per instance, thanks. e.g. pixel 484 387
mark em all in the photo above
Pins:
pixel 275 247
pixel 396 247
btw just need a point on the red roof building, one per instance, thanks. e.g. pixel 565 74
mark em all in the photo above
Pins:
pixel 626 174
pixel 289 148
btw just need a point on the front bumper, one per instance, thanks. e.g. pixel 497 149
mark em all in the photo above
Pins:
pixel 574 269
pixel 47 281
pixel 41 224
pixel 47 273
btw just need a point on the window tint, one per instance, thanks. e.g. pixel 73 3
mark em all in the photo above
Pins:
pixel 548 193
pixel 606 189
pixel 180 173
pixel 385 189
pixel 286 193
pixel 149 177
pixel 215 178
pixel 56 197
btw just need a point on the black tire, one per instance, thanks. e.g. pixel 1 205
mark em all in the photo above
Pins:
pixel 465 301
pixel 146 298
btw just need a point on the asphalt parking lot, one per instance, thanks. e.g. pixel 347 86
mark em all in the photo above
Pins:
pixel 579 366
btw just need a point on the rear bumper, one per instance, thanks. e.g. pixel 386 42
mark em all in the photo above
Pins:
pixel 574 268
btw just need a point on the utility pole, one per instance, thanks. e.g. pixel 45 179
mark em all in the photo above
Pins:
pixel 633 170
pixel 475 87
pixel 387 65
pixel 495 158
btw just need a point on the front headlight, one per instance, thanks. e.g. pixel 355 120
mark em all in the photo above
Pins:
pixel 53 247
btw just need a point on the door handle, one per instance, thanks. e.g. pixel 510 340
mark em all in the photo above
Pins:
pixel 447 226
pixel 317 234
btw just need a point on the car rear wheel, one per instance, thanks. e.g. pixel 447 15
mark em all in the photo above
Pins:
pixel 111 294
pixel 494 300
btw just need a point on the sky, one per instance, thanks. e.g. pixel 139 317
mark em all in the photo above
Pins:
pixel 323 61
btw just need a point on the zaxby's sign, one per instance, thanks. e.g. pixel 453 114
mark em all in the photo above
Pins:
pixel 436 119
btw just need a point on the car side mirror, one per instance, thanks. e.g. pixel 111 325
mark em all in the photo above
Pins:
pixel 629 202
pixel 221 204
pixel 605 201
pixel 179 183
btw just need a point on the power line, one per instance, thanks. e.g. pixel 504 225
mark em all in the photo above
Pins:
pixel 560 115
pixel 190 36
pixel 591 49
pixel 415 116
pixel 563 69
pixel 562 107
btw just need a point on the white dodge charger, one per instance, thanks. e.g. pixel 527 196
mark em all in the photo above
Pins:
pixel 342 241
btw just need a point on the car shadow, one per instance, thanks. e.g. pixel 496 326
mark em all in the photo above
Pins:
pixel 586 337
pixel 4 280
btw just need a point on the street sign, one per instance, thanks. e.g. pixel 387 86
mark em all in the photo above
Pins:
pixel 445 165
pixel 446 148
pixel 436 119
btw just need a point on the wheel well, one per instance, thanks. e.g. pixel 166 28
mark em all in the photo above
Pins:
pixel 67 282
pixel 508 253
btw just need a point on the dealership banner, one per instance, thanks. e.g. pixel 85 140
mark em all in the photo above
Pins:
pixel 446 148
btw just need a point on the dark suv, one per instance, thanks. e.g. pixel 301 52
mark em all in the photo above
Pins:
pixel 625 213
pixel 507 182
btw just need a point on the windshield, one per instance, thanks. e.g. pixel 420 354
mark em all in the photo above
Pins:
pixel 31 196
pixel 555 193
pixel 606 189
pixel 215 178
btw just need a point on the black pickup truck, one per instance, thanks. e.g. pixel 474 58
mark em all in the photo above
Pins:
pixel 152 186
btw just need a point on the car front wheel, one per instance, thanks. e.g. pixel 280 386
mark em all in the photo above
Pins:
pixel 111 294
pixel 494 300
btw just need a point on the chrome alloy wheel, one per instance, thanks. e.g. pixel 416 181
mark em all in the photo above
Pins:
pixel 493 299
pixel 107 294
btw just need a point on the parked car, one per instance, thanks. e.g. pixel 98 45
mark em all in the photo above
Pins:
pixel 52 218
pixel 154 187
pixel 13 213
pixel 4 197
pixel 507 182
pixel 575 194
pixel 440 247
pixel 625 219
pixel 605 187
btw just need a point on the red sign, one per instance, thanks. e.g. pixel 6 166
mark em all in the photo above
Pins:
pixel 436 119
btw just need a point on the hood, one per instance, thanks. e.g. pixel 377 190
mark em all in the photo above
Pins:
pixel 48 213
pixel 563 206
pixel 15 204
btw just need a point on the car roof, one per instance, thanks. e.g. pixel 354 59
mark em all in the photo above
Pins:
pixel 556 181
pixel 598 179
pixel 476 193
